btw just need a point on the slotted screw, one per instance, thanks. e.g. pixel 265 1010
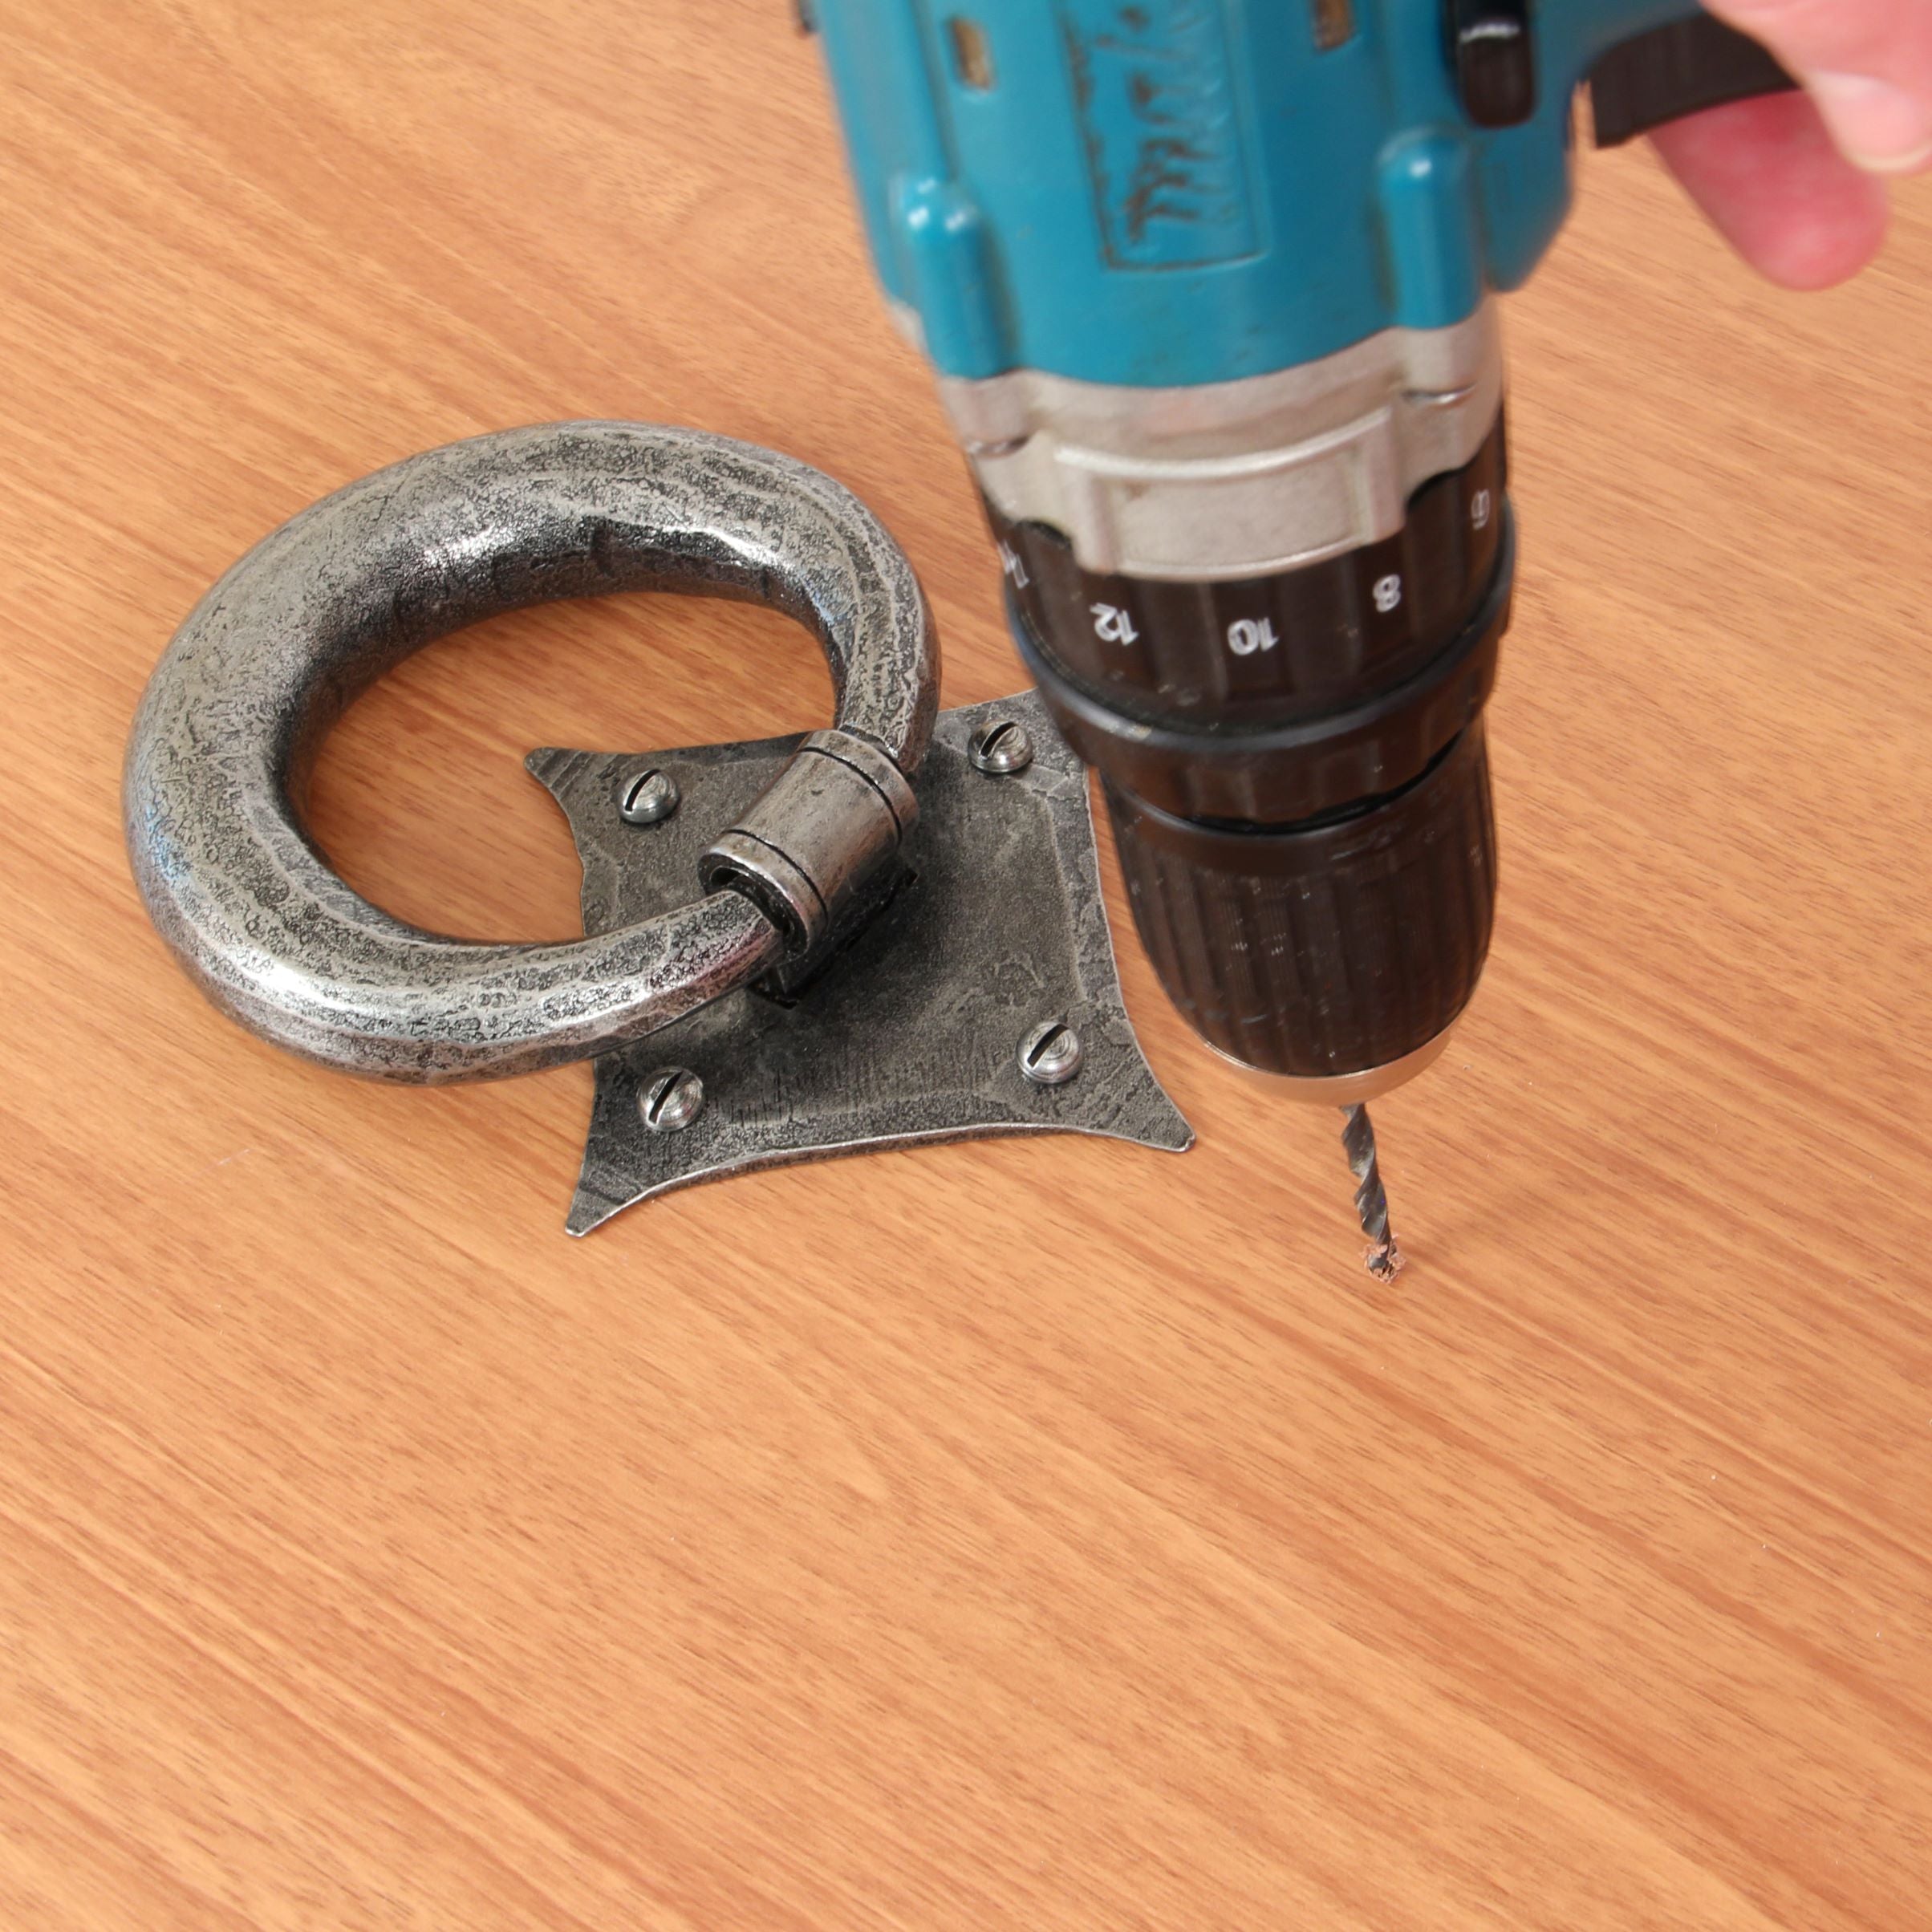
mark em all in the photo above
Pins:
pixel 1050 1055
pixel 1001 748
pixel 650 798
pixel 671 1099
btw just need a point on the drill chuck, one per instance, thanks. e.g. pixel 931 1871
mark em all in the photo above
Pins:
pixel 1297 773
pixel 1327 951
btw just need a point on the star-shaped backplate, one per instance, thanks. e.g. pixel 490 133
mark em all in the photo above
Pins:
pixel 914 1032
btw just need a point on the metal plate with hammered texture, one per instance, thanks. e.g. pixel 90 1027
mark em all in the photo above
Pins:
pixel 914 1032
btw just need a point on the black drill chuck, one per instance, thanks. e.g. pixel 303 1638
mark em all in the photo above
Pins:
pixel 1295 770
pixel 1327 948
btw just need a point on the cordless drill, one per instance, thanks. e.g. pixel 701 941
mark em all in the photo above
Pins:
pixel 1209 287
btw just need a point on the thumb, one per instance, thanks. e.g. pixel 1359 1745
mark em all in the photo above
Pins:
pixel 1868 64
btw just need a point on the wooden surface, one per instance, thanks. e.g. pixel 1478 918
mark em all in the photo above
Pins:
pixel 1040 1536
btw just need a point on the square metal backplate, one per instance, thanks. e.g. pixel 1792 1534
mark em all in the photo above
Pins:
pixel 912 1033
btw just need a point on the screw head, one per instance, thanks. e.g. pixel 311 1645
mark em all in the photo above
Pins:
pixel 671 1099
pixel 1050 1055
pixel 1000 748
pixel 649 798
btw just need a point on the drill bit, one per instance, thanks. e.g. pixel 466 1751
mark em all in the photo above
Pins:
pixel 1384 1258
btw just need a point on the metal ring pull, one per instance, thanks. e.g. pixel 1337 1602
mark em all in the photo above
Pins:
pixel 272 655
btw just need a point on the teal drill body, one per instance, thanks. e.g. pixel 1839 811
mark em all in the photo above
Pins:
pixel 1209 287
pixel 1157 192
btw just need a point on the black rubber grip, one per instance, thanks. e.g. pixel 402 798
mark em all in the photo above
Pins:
pixel 1323 949
pixel 1662 75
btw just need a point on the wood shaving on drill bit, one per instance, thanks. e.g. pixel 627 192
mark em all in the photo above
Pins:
pixel 1384 1260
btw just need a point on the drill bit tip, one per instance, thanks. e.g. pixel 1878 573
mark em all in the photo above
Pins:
pixel 1383 1258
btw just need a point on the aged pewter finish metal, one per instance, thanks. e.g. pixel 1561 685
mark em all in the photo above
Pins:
pixel 320 608
pixel 912 1032
pixel 810 851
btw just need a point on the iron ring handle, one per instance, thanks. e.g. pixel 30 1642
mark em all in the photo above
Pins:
pixel 269 659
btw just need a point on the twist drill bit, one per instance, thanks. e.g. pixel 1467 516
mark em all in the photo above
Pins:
pixel 1384 1258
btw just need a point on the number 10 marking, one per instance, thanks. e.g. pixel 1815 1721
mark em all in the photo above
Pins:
pixel 1246 635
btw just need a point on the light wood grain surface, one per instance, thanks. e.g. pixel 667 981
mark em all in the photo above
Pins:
pixel 1018 1535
